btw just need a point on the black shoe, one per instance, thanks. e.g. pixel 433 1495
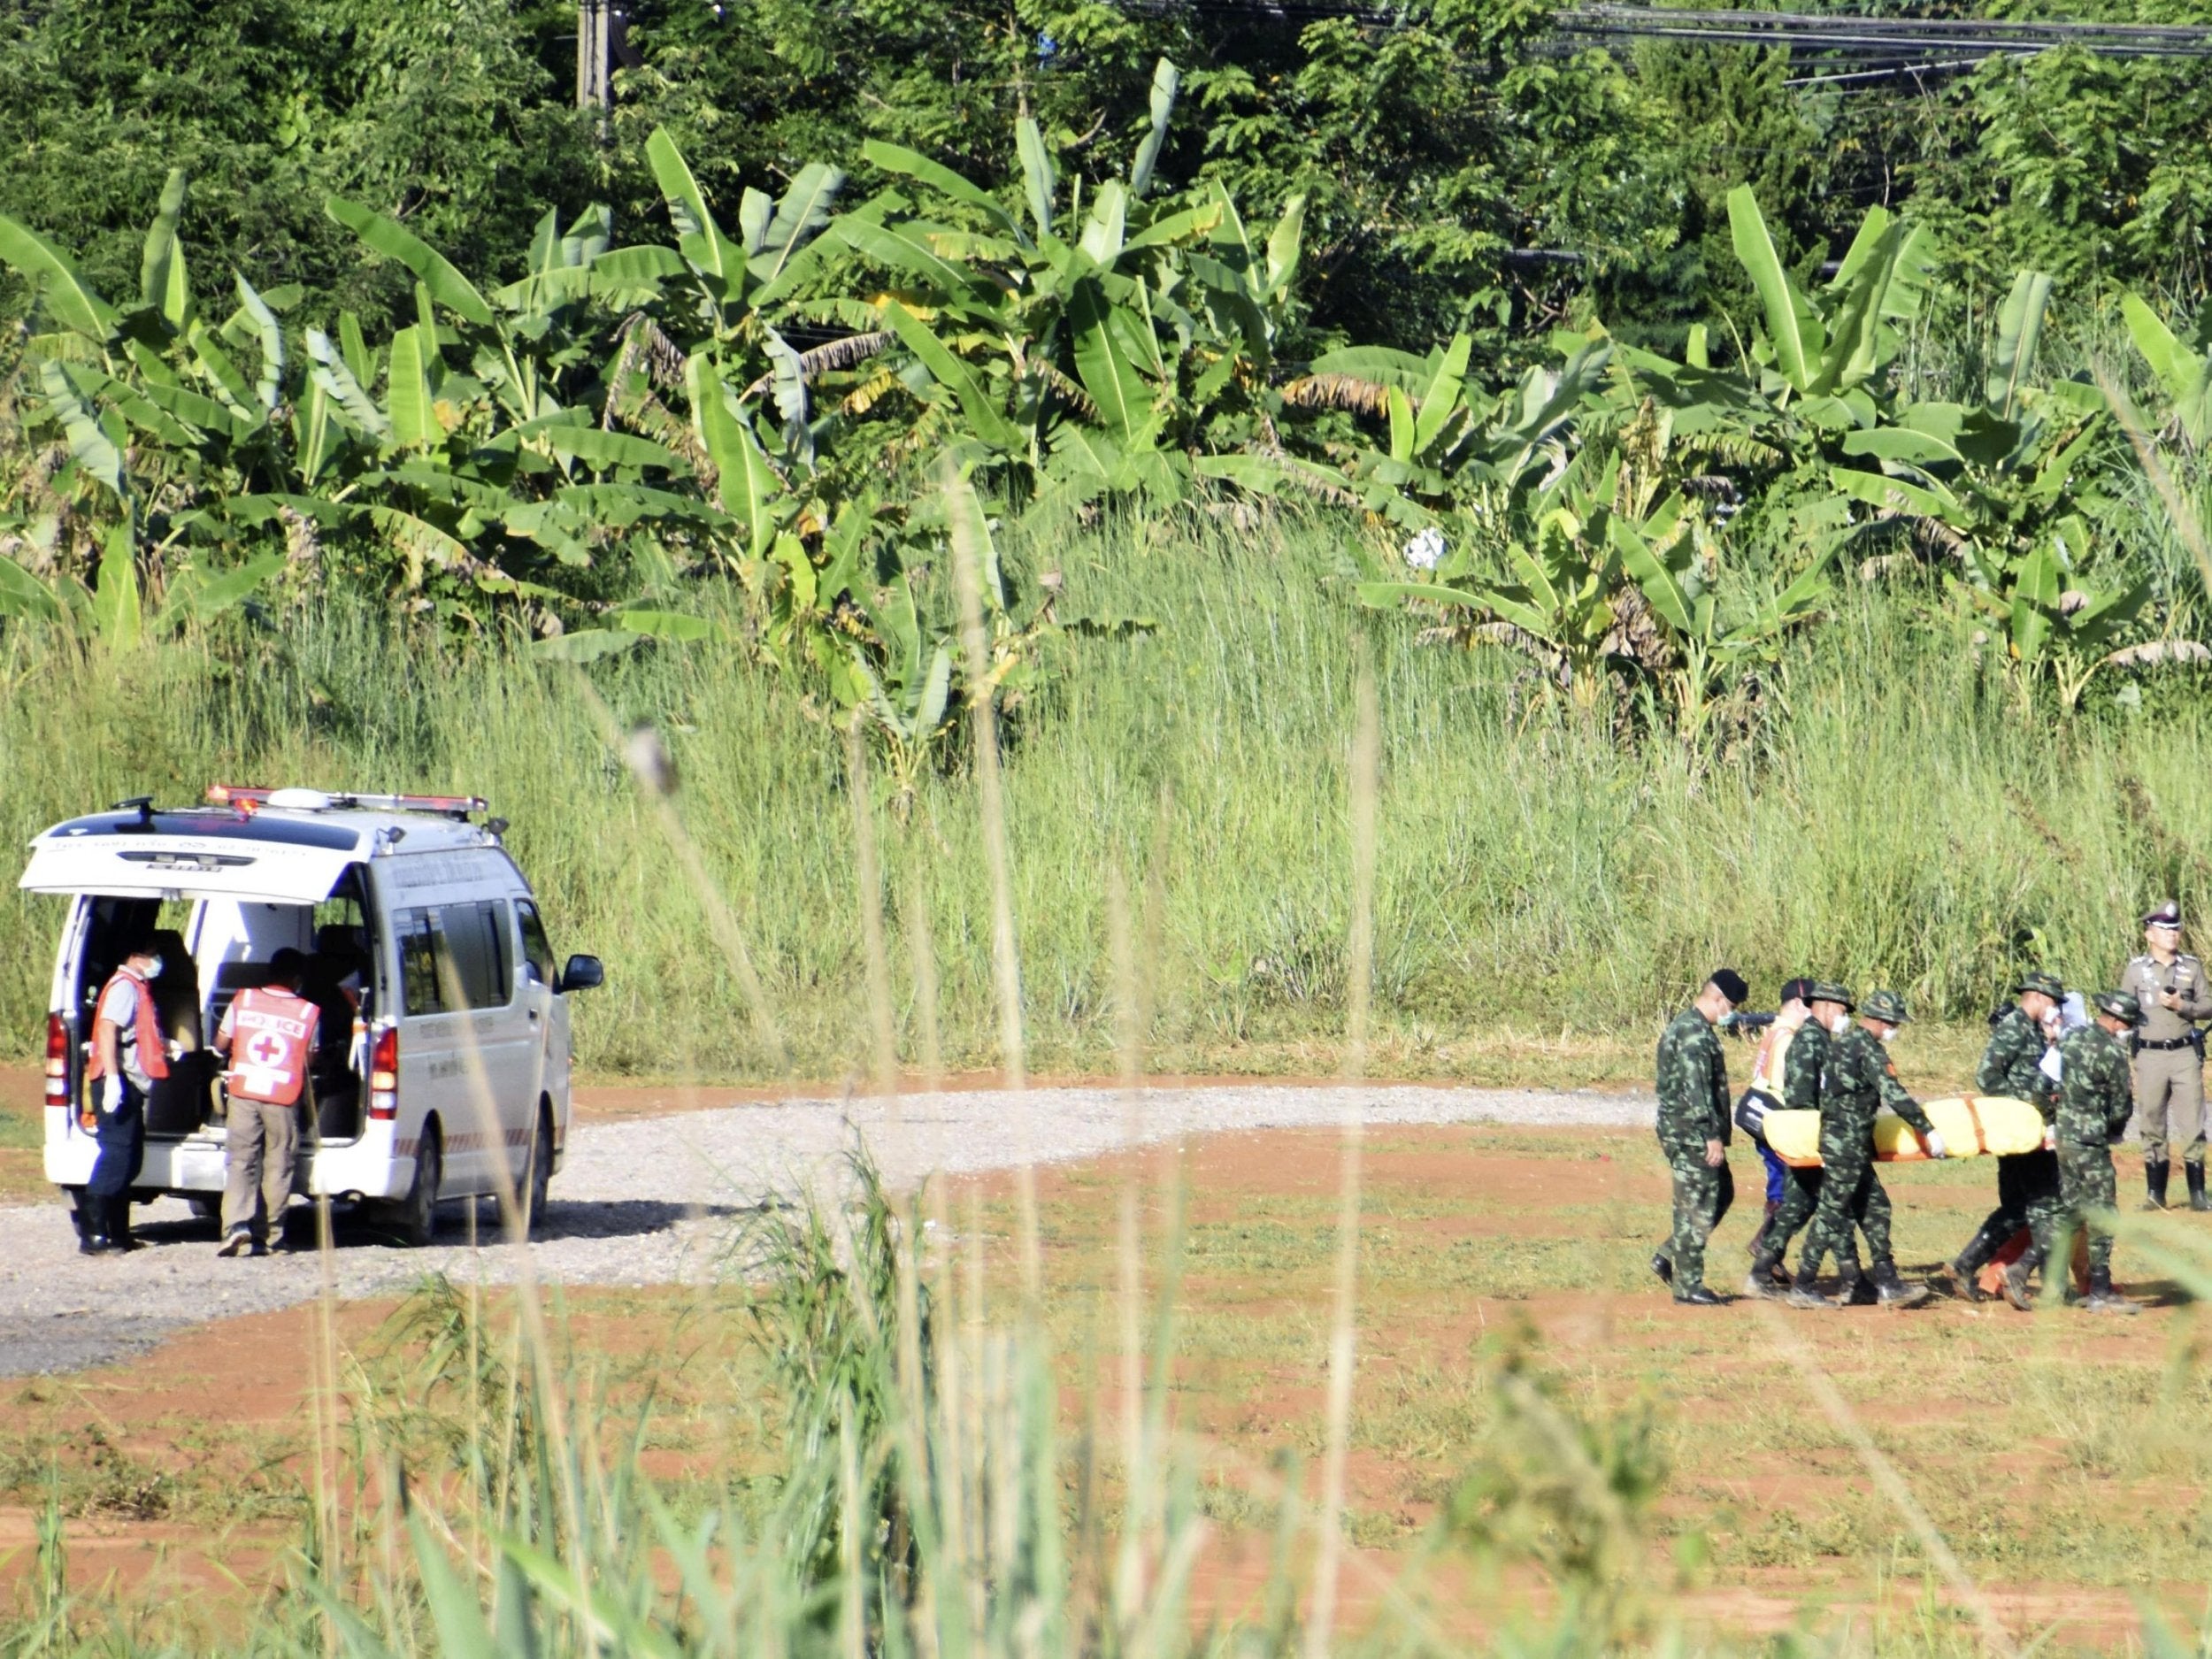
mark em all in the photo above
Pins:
pixel 2197 1199
pixel 2155 1177
pixel 1699 1298
pixel 1662 1267
pixel 1854 1289
pixel 94 1244
pixel 2017 1282
pixel 239 1244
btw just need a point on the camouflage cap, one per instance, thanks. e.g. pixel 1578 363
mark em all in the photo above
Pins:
pixel 2120 1005
pixel 1886 1006
pixel 1829 991
pixel 2049 983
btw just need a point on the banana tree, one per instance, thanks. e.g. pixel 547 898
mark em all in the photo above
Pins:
pixel 2183 367
pixel 1073 347
pixel 1561 596
pixel 1447 445
pixel 461 455
pixel 1705 653
pixel 1823 352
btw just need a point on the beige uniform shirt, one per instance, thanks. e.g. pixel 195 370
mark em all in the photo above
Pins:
pixel 2147 977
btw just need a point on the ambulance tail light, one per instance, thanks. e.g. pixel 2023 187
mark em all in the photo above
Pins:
pixel 57 1061
pixel 384 1074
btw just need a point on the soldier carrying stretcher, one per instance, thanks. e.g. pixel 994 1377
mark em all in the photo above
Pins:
pixel 1860 1080
pixel 2013 1065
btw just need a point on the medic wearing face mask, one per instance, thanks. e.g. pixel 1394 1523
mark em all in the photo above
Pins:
pixel 128 1056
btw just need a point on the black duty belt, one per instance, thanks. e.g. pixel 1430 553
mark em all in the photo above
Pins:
pixel 2168 1044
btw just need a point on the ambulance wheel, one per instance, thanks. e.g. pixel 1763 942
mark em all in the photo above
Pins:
pixel 414 1220
pixel 205 1207
pixel 532 1187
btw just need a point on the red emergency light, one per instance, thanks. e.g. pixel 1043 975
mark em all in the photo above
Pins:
pixel 250 800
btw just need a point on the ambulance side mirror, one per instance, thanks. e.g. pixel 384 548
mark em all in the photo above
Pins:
pixel 582 974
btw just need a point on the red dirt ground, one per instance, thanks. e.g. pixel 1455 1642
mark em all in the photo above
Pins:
pixel 252 1375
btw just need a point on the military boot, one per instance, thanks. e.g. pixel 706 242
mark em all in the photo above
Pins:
pixel 1761 1281
pixel 1893 1291
pixel 1966 1267
pixel 2102 1298
pixel 1661 1265
pixel 2197 1200
pixel 2017 1291
pixel 2154 1174
pixel 1854 1289
pixel 1805 1291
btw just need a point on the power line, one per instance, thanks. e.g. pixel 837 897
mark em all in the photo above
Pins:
pixel 1856 34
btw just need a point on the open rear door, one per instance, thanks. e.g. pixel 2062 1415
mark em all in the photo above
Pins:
pixel 218 855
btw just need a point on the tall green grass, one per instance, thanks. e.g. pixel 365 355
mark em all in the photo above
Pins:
pixel 1900 813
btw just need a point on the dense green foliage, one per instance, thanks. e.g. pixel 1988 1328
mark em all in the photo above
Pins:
pixel 1429 150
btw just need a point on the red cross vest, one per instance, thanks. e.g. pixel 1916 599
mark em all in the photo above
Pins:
pixel 271 1038
pixel 153 1055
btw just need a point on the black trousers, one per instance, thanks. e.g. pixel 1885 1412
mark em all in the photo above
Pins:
pixel 2026 1182
pixel 122 1136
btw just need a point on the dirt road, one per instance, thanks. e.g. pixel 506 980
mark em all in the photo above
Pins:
pixel 658 1199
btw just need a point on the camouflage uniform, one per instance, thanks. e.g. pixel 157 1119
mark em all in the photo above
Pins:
pixel 2093 1102
pixel 1801 1069
pixel 1859 1080
pixel 2027 1182
pixel 1693 1110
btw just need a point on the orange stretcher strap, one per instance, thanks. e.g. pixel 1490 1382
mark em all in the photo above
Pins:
pixel 1974 1117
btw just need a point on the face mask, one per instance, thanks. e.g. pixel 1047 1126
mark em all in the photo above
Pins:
pixel 153 969
pixel 1841 1024
pixel 1889 1036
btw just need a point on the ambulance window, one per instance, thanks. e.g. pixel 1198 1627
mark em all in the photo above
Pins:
pixel 537 950
pixel 421 949
pixel 475 936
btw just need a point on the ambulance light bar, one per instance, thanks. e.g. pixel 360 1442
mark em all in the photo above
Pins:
pixel 453 806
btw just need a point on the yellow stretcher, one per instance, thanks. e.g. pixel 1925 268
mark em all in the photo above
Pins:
pixel 1970 1124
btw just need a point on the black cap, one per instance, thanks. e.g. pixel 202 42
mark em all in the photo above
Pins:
pixel 2167 915
pixel 1730 984
pixel 285 967
pixel 1799 990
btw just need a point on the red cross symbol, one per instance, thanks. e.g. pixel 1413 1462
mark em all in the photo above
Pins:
pixel 265 1048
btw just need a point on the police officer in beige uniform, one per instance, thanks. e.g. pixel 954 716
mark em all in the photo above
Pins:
pixel 2170 1055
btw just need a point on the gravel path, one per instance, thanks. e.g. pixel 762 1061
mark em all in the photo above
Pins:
pixel 651 1200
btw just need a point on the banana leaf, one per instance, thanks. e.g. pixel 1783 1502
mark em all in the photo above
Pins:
pixel 432 268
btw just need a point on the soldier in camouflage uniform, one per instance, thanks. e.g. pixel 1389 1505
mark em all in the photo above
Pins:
pixel 2027 1182
pixel 1861 1080
pixel 1694 1132
pixel 2094 1100
pixel 1802 1065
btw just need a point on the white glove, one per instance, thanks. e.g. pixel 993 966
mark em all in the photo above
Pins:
pixel 1934 1143
pixel 111 1093
pixel 2052 1066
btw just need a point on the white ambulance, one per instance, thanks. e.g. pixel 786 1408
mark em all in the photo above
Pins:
pixel 442 1055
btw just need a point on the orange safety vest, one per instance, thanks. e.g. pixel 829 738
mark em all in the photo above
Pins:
pixel 272 1037
pixel 153 1054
